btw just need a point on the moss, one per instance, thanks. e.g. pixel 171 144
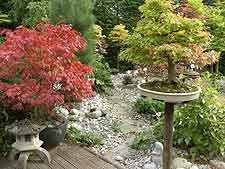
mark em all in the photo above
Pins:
pixel 165 86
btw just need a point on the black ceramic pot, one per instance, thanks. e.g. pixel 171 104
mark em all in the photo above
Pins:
pixel 54 136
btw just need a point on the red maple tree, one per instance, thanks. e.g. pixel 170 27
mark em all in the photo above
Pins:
pixel 38 68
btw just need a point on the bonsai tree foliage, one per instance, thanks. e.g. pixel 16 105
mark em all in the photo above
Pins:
pixel 166 34
pixel 38 70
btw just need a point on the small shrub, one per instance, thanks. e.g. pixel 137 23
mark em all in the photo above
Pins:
pixel 84 138
pixel 116 126
pixel 145 106
pixel 144 140
pixel 200 126
pixel 101 75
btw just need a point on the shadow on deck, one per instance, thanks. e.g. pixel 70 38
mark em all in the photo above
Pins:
pixel 65 157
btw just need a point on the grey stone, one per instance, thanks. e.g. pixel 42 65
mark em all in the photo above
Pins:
pixel 157 153
pixel 62 111
pixel 95 114
pixel 194 167
pixel 157 148
pixel 181 163
pixel 150 166
pixel 119 158
pixel 217 164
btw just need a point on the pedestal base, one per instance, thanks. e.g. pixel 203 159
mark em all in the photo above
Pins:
pixel 24 155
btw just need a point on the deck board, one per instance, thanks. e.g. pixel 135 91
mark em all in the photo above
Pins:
pixel 64 157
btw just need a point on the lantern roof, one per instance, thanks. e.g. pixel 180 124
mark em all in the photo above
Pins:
pixel 25 127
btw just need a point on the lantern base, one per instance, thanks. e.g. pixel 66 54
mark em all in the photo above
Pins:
pixel 27 146
pixel 24 155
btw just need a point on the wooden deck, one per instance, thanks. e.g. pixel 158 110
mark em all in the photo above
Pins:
pixel 65 157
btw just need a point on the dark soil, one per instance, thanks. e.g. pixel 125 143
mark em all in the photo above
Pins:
pixel 165 86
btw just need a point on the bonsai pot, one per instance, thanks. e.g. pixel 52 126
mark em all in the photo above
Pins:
pixel 54 135
pixel 170 97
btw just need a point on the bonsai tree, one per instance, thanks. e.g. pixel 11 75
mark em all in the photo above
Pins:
pixel 38 70
pixel 168 33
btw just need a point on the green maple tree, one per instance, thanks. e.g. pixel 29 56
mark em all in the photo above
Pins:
pixel 167 33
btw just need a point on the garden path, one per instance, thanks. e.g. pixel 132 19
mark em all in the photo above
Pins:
pixel 65 157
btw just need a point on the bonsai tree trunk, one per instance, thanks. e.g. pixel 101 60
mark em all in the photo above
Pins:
pixel 171 70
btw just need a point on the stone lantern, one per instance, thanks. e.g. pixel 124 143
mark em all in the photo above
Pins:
pixel 27 142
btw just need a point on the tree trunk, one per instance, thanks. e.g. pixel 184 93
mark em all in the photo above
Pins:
pixel 171 70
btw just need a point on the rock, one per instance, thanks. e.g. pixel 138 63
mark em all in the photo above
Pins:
pixel 203 166
pixel 150 166
pixel 194 167
pixel 215 164
pixel 157 153
pixel 157 148
pixel 75 112
pixel 119 158
pixel 62 111
pixel 181 163
pixel 95 114
pixel 75 125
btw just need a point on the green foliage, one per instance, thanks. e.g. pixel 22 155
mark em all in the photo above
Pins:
pixel 6 139
pixel 79 14
pixel 200 126
pixel 116 126
pixel 28 12
pixel 146 106
pixel 2 39
pixel 5 6
pixel 145 139
pixel 216 25
pixel 4 18
pixel 113 12
pixel 162 34
pixel 101 75
pixel 37 11
pixel 84 138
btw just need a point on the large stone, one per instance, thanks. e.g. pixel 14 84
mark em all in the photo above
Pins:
pixel 157 153
pixel 119 158
pixel 62 111
pixel 150 166
pixel 215 164
pixel 181 163
pixel 194 167
pixel 157 148
pixel 95 114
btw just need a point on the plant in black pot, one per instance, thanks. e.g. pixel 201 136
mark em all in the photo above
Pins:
pixel 169 33
pixel 39 72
